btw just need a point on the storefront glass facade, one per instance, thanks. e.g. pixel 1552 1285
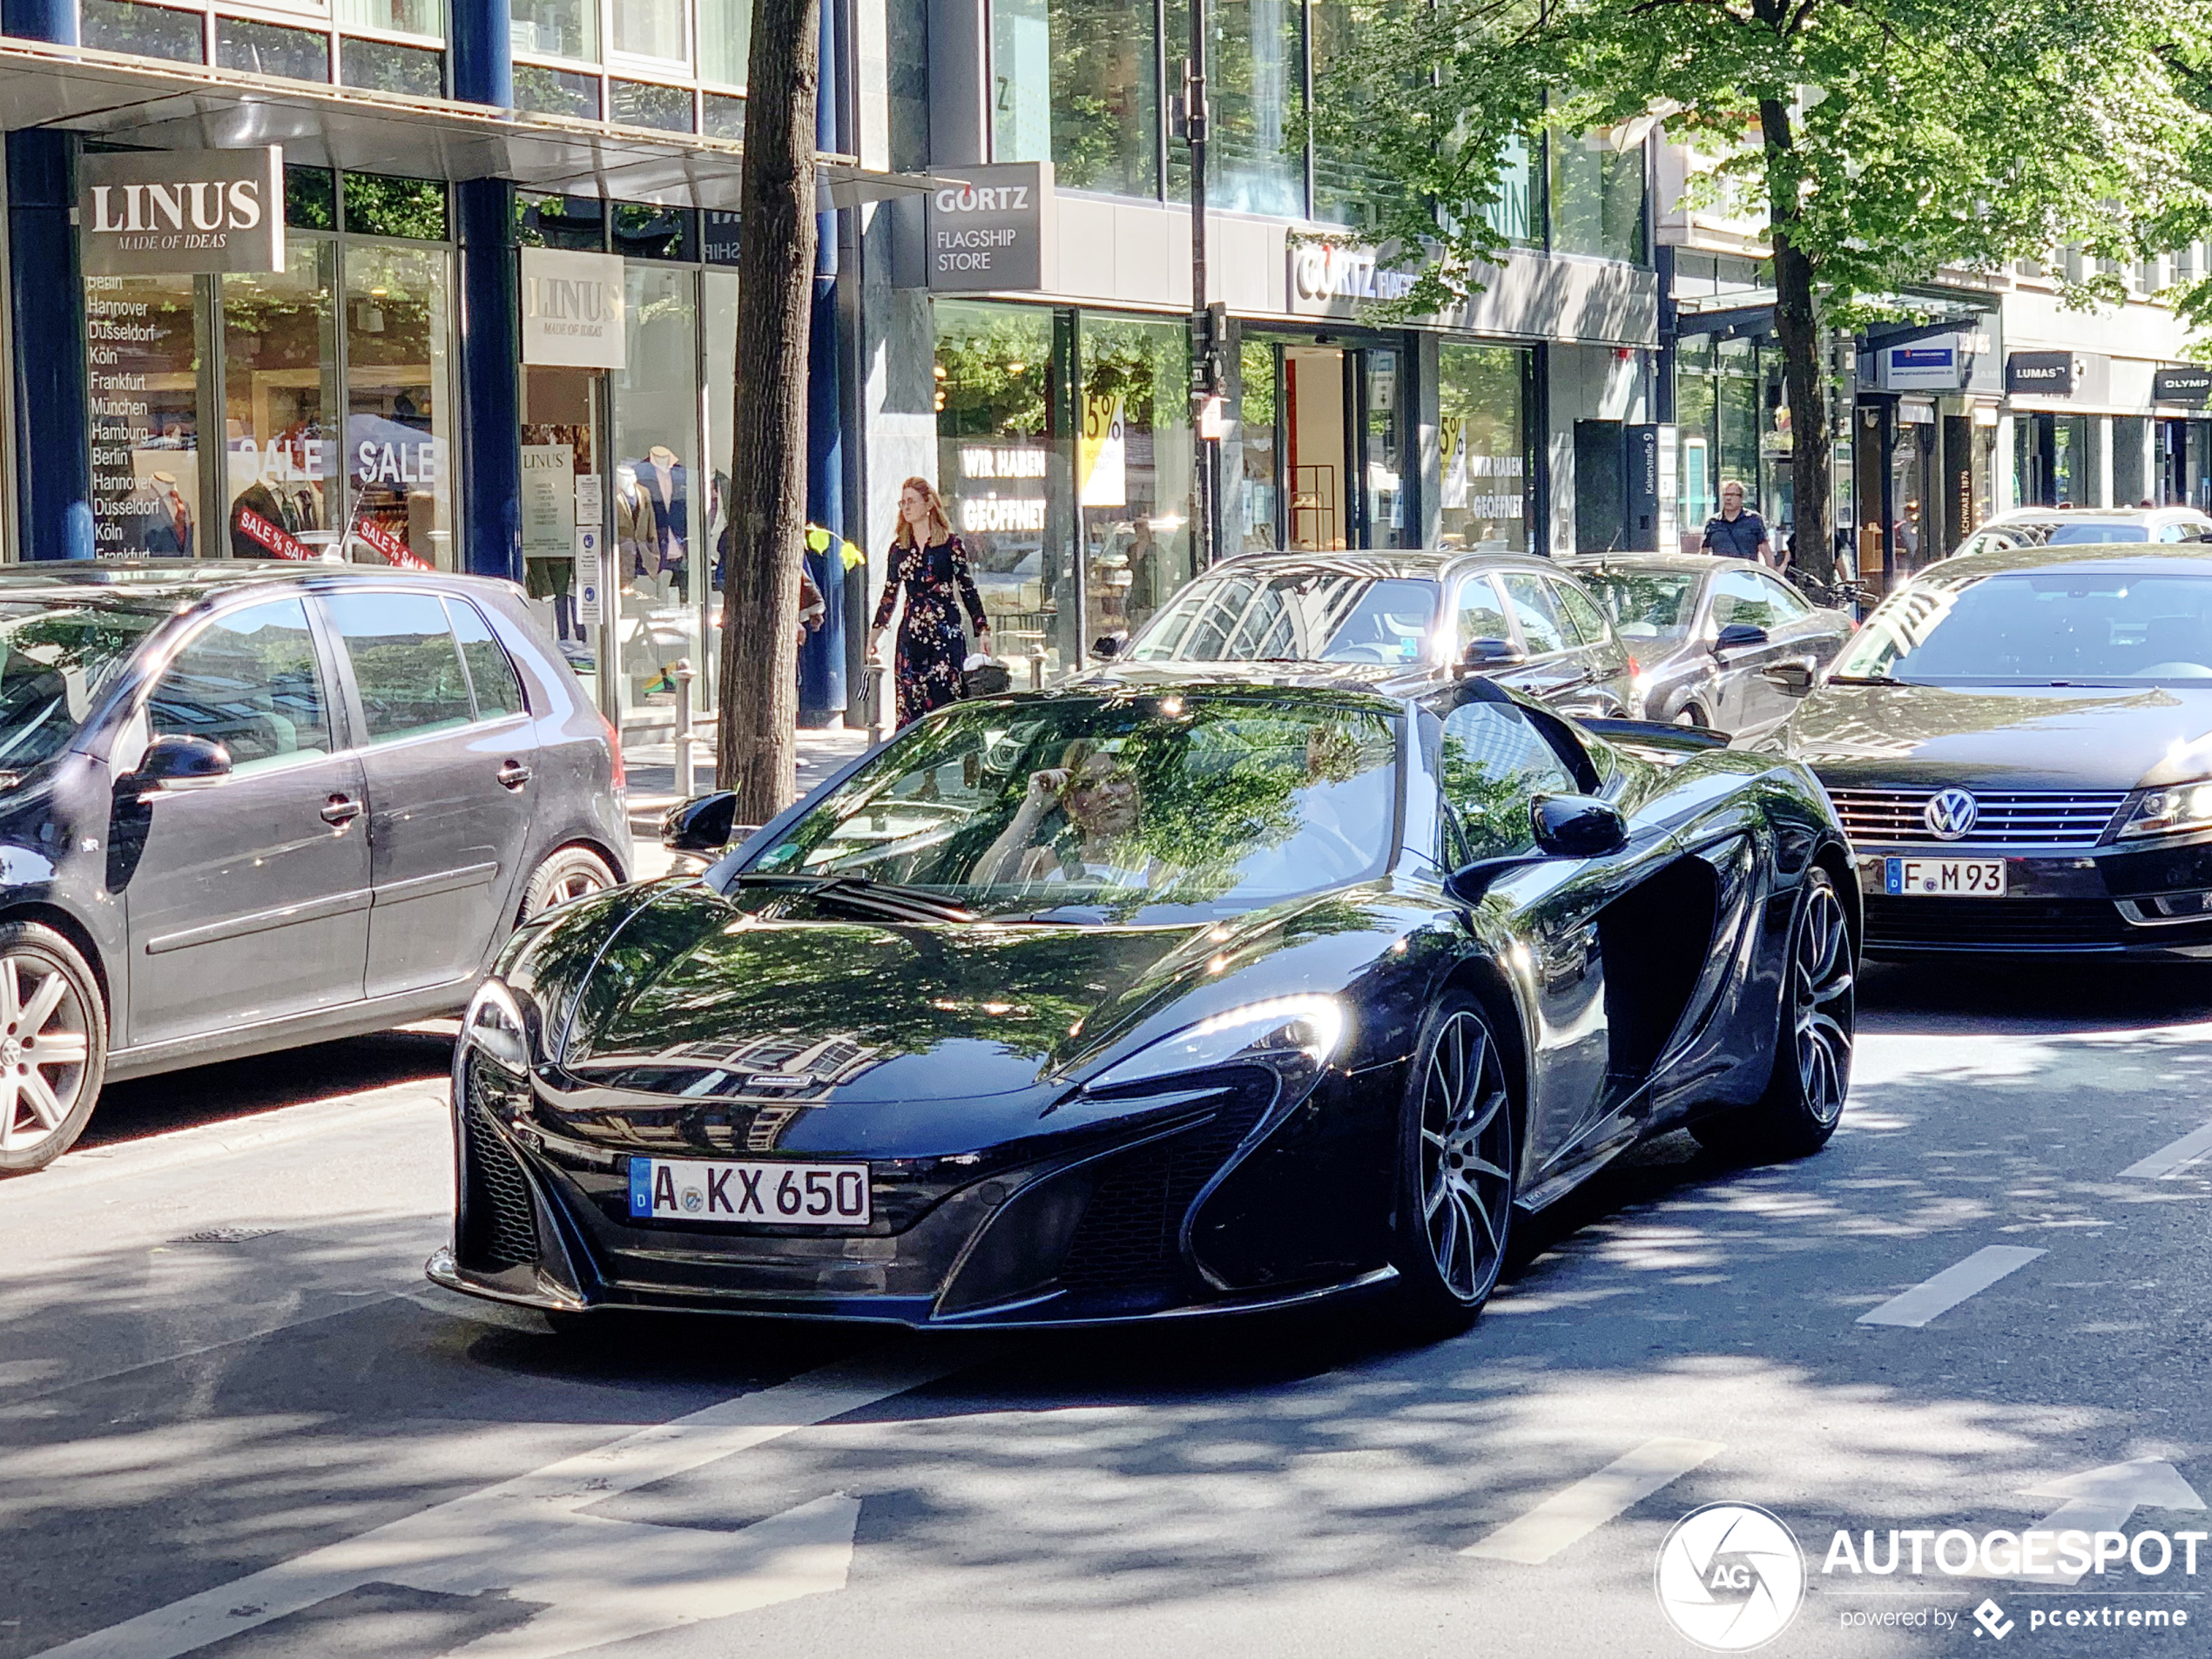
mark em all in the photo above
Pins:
pixel 384 46
pixel 1730 428
pixel 330 384
pixel 1486 474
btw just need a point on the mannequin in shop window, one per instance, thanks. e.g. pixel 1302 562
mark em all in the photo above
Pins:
pixel 277 507
pixel 636 530
pixel 169 532
pixel 660 475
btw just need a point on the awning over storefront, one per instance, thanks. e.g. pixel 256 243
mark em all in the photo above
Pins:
pixel 190 106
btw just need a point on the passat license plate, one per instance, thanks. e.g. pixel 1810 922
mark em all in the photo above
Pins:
pixel 797 1195
pixel 1954 878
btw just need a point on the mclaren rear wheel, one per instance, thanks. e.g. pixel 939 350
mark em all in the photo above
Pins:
pixel 1814 1039
pixel 1455 1172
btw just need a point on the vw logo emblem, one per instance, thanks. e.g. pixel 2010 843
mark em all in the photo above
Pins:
pixel 1951 814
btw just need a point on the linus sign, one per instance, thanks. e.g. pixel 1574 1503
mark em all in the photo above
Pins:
pixel 176 213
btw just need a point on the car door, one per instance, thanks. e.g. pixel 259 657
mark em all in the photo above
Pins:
pixel 449 771
pixel 1556 674
pixel 1745 698
pixel 1610 690
pixel 248 900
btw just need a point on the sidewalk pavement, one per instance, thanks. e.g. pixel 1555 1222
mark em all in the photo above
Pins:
pixel 653 788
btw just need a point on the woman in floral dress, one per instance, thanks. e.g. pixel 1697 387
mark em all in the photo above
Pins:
pixel 929 562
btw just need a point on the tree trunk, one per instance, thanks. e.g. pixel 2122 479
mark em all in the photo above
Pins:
pixel 759 712
pixel 1796 324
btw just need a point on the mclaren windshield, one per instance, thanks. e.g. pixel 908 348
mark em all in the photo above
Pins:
pixel 1152 809
pixel 2093 625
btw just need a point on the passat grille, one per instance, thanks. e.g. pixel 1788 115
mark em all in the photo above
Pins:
pixel 1898 818
pixel 1127 1239
pixel 499 1220
pixel 1993 924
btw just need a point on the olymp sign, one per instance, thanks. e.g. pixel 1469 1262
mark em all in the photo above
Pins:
pixel 179 212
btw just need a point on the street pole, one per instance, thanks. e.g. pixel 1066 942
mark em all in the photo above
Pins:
pixel 1208 322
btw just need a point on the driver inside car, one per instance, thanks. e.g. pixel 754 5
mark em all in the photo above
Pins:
pixel 1096 789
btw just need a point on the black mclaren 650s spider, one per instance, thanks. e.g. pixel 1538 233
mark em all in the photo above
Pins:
pixel 1112 1003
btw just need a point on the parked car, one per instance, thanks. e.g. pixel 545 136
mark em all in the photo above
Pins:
pixel 2020 745
pixel 2076 526
pixel 1410 618
pixel 247 805
pixel 1719 642
pixel 1088 1005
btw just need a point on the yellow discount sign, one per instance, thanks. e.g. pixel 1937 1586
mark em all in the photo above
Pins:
pixel 1102 453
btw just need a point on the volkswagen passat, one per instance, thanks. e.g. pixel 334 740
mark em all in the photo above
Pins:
pixel 1103 1004
pixel 2020 742
pixel 246 805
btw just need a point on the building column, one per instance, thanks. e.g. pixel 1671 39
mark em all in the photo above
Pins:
pixel 491 405
pixel 52 412
pixel 822 654
pixel 2101 426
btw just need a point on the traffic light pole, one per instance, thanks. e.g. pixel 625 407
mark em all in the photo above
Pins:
pixel 1208 322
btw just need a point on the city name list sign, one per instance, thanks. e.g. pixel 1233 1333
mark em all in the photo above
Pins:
pixel 178 212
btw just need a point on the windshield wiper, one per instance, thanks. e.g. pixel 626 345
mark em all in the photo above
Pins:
pixel 1868 679
pixel 866 894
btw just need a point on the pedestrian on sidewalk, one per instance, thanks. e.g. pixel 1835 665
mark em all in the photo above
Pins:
pixel 930 563
pixel 1734 533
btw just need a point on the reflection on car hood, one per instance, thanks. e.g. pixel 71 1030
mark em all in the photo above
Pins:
pixel 2004 737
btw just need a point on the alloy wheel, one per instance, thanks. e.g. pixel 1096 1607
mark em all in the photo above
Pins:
pixel 45 1042
pixel 1822 1002
pixel 1466 1157
pixel 573 884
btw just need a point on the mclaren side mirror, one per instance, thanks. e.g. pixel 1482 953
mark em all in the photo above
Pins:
pixel 174 763
pixel 701 826
pixel 1483 655
pixel 1739 636
pixel 1106 647
pixel 1791 679
pixel 1578 827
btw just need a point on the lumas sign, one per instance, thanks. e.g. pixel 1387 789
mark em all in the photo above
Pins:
pixel 176 212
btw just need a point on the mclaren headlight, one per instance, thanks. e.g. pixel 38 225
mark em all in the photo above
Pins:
pixel 1293 1036
pixel 2172 810
pixel 493 1027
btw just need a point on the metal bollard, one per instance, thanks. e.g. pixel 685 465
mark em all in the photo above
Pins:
pixel 871 680
pixel 682 674
pixel 1036 668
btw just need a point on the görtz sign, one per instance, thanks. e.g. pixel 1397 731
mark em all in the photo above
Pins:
pixel 988 229
pixel 1330 279
pixel 176 213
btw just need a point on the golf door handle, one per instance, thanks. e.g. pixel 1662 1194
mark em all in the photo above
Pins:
pixel 513 774
pixel 340 810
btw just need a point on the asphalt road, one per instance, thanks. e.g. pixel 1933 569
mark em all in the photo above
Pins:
pixel 235 1420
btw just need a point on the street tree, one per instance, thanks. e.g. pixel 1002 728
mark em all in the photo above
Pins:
pixel 756 747
pixel 1879 141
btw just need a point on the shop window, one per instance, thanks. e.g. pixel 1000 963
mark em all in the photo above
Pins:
pixel 722 117
pixel 1596 195
pixel 719 323
pixel 577 222
pixel 646 233
pixel 149 31
pixel 653 29
pixel 310 198
pixel 399 428
pixel 662 576
pixel 414 208
pixel 1346 189
pixel 383 67
pixel 248 681
pixel 646 103
pixel 556 91
pixel 726 41
pixel 401 17
pixel 1487 487
pixel 1255 79
pixel 280 433
pixel 406 667
pixel 144 343
pixel 718 238
pixel 1076 83
pixel 265 48
pixel 553 28
pixel 1262 476
pixel 1133 467
pixel 492 676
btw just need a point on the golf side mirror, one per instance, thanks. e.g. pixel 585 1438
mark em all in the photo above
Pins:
pixel 1106 647
pixel 1482 655
pixel 1578 827
pixel 1738 636
pixel 173 764
pixel 702 826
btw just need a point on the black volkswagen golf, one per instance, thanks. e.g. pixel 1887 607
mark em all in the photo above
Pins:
pixel 246 806
pixel 2020 742
pixel 1112 1003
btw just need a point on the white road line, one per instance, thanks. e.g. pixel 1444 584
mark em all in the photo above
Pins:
pixel 277 1127
pixel 602 1580
pixel 2171 1159
pixel 1952 1286
pixel 1569 1515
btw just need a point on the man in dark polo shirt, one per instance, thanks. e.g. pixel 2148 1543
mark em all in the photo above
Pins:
pixel 1736 534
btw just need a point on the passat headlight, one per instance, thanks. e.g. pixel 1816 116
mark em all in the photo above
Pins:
pixel 1297 1032
pixel 494 1027
pixel 2171 810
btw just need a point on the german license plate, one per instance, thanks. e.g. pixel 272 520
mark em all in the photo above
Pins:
pixel 797 1195
pixel 1953 877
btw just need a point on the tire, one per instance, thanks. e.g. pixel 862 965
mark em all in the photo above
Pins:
pixel 1691 715
pixel 1813 1038
pixel 53 1046
pixel 1455 1172
pixel 567 872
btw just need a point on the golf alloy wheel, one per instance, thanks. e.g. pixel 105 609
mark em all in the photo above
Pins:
pixel 52 1046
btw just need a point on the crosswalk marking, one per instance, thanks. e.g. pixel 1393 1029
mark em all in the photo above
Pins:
pixel 1952 1286
pixel 2172 1158
pixel 1571 1515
